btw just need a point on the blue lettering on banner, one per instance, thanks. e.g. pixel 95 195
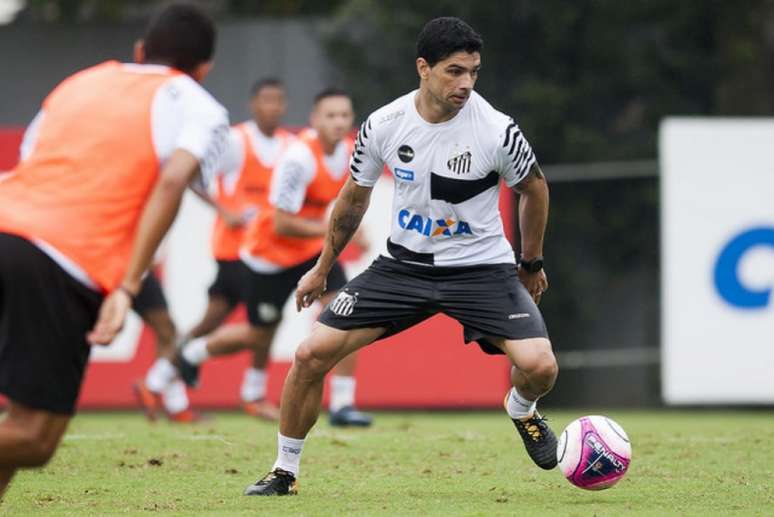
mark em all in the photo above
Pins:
pixel 404 174
pixel 424 225
pixel 727 281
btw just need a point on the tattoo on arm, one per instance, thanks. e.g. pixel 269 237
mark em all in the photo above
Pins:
pixel 347 214
pixel 343 227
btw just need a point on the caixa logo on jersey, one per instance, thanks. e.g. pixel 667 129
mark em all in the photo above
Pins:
pixel 430 227
pixel 728 283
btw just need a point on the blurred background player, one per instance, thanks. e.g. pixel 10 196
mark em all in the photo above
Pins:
pixel 242 191
pixel 81 218
pixel 285 241
pixel 151 305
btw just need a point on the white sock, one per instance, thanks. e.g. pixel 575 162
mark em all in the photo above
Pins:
pixel 342 392
pixel 253 385
pixel 160 374
pixel 518 406
pixel 288 454
pixel 195 352
pixel 175 397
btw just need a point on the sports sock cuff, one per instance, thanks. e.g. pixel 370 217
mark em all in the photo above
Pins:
pixel 289 454
pixel 159 375
pixel 195 351
pixel 518 406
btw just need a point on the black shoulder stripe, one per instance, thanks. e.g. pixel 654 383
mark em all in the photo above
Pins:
pixel 508 133
pixel 354 169
pixel 455 191
pixel 513 145
pixel 357 160
pixel 363 129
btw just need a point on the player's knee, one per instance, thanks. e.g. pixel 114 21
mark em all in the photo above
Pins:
pixel 309 362
pixel 39 449
pixel 545 370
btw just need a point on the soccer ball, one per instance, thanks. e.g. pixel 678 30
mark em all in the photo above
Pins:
pixel 594 452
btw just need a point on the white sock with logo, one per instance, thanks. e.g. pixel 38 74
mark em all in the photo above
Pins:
pixel 289 454
pixel 159 375
pixel 342 392
pixel 519 407
pixel 253 385
pixel 175 397
pixel 195 352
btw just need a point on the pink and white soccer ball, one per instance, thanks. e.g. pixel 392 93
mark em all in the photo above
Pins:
pixel 594 452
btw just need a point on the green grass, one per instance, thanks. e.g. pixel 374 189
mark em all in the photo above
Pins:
pixel 685 463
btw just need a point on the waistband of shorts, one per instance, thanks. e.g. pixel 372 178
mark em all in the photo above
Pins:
pixel 443 271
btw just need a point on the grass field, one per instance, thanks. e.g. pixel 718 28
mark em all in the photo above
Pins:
pixel 684 463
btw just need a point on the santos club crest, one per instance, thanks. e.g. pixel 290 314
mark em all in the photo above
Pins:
pixel 344 303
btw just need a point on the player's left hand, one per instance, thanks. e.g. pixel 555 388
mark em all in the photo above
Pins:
pixel 536 283
pixel 111 318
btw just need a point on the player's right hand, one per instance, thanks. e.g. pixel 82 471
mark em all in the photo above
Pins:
pixel 310 288
pixel 111 318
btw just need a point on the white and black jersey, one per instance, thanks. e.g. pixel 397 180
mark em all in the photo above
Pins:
pixel 447 175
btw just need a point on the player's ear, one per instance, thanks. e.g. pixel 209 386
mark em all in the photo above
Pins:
pixel 201 71
pixel 423 68
pixel 139 51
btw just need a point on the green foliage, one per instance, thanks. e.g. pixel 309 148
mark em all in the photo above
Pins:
pixel 684 463
pixel 588 79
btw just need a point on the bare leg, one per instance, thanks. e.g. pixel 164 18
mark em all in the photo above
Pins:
pixel 534 367
pixel 28 438
pixel 163 327
pixel 345 367
pixel 218 309
pixel 230 339
pixel 315 357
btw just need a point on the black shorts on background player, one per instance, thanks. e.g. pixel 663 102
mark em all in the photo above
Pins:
pixel 151 296
pixel 230 281
pixel 45 315
pixel 268 292
pixel 488 300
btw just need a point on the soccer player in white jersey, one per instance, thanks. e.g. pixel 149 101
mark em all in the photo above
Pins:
pixel 447 149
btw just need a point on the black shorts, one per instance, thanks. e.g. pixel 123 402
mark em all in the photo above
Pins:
pixel 44 317
pixel 151 296
pixel 488 300
pixel 267 293
pixel 230 282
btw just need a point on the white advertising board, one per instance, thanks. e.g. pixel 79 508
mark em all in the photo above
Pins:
pixel 717 220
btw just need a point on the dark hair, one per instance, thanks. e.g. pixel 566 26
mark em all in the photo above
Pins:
pixel 442 37
pixel 330 92
pixel 180 36
pixel 266 82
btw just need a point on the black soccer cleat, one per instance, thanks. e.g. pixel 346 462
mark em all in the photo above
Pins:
pixel 276 482
pixel 188 371
pixel 539 440
pixel 348 416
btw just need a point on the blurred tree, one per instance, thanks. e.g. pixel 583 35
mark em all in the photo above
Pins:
pixel 589 79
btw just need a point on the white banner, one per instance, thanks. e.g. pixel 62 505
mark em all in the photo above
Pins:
pixel 717 220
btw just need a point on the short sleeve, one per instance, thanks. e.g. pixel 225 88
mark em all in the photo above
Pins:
pixel 515 157
pixel 187 117
pixel 232 160
pixel 291 177
pixel 366 163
